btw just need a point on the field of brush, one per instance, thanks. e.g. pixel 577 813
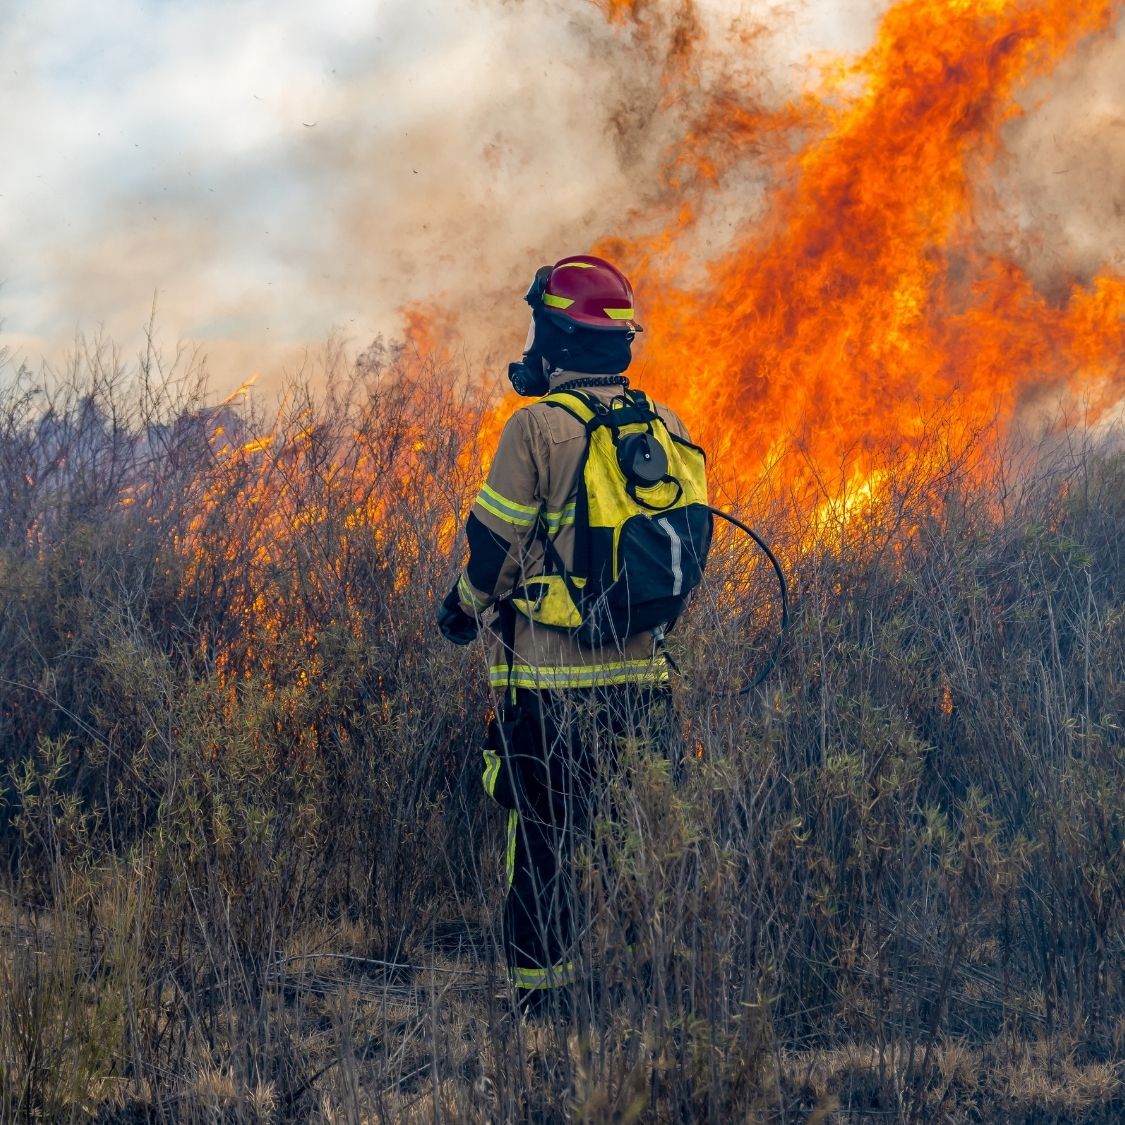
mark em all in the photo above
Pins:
pixel 249 873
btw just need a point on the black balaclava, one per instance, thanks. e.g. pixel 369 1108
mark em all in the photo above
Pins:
pixel 591 351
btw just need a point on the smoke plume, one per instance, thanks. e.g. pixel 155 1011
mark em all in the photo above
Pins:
pixel 271 177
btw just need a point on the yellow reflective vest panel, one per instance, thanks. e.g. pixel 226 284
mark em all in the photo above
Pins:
pixel 534 475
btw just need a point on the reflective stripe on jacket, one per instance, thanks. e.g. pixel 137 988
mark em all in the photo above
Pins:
pixel 534 475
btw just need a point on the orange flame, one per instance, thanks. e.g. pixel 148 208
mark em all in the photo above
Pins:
pixel 279 518
pixel 862 302
pixel 836 330
pixel 825 339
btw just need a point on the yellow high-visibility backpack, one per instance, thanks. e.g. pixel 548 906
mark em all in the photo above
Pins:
pixel 642 526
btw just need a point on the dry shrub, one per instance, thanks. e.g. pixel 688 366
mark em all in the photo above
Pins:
pixel 250 874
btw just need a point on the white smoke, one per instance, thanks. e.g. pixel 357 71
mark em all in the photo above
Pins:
pixel 1064 182
pixel 272 172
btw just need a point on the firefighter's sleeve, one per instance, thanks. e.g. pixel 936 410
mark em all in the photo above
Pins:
pixel 503 516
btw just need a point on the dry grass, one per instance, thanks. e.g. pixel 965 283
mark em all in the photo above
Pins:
pixel 250 876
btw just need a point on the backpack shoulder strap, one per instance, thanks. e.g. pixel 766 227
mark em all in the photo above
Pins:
pixel 579 406
pixel 644 405
pixel 592 412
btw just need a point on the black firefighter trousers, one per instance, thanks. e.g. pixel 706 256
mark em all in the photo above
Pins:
pixel 549 758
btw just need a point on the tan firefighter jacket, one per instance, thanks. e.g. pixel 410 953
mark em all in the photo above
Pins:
pixel 535 472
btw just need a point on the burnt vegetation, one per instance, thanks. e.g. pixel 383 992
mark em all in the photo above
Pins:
pixel 248 872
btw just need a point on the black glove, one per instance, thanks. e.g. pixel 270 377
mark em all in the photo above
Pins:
pixel 455 624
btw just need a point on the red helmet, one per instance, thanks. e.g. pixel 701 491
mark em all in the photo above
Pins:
pixel 587 291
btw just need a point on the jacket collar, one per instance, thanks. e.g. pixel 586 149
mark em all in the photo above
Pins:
pixel 561 376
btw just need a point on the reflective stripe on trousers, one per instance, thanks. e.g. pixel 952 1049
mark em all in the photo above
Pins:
pixel 646 672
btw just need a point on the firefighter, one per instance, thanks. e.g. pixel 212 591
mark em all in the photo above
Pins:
pixel 561 707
